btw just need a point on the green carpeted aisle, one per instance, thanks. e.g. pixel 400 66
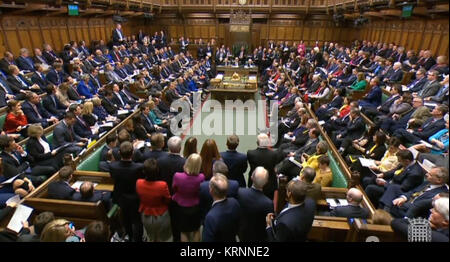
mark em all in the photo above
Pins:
pixel 225 121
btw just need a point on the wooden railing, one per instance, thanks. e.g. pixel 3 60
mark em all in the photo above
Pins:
pixel 344 167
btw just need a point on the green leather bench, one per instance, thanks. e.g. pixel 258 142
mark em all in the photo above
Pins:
pixel 338 177
pixel 384 97
pixel 92 162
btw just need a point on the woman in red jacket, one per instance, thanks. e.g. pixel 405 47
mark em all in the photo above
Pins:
pixel 154 207
pixel 15 120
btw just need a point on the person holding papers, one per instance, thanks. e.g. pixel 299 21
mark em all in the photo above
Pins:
pixel 81 127
pixel 16 120
pixel 41 150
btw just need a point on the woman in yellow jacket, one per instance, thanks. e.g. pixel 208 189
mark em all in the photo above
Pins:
pixel 324 176
pixel 313 161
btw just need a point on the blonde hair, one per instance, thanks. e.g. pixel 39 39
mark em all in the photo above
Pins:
pixel 55 231
pixel 35 130
pixel 151 104
pixel 96 101
pixel 193 164
pixel 88 107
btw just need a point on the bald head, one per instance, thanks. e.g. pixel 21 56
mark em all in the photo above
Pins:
pixel 354 196
pixel 259 177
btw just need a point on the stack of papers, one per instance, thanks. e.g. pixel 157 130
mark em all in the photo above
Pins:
pixel 21 214
pixel 427 165
pixel 219 76
pixel 367 162
pixel 252 77
pixel 122 112
pixel 336 202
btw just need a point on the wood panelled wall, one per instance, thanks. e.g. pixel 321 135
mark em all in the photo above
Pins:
pixel 277 30
pixel 31 32
pixel 412 34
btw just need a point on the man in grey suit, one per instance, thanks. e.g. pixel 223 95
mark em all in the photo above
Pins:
pixel 432 86
pixel 63 135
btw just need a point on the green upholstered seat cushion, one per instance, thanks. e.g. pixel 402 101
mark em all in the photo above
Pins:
pixel 2 121
pixel 92 162
pixel 338 176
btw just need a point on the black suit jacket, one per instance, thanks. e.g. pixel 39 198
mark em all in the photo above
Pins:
pixel 168 166
pixel 408 179
pixel 254 208
pixel 350 211
pixel 125 175
pixel 12 167
pixel 24 65
pixel 32 116
pixel 36 150
pixel 237 165
pixel 55 107
pixel 60 190
pixel 429 128
pixel 206 199
pixel 109 106
pixel 354 129
pixel 41 81
pixel 222 222
pixel 293 224
pixel 268 159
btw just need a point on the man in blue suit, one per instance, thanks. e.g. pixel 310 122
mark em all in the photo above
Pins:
pixel 373 98
pixel 206 199
pixel 295 221
pixel 24 61
pixel 222 221
pixel 398 202
pixel 61 189
pixel 254 208
pixel 35 112
pixel 236 162
pixel 56 75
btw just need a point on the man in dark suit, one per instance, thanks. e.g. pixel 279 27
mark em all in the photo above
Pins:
pixel 63 134
pixel 16 160
pixel 35 112
pixel 18 82
pixel 373 98
pixel 111 143
pixel 438 222
pixel 88 194
pixel 6 61
pixel 52 103
pixel 24 61
pixel 254 208
pixel 353 209
pixel 398 202
pixel 173 162
pixel 295 221
pixel 395 75
pixel 206 199
pixel 313 190
pixel 222 221
pixel 432 86
pixel 39 77
pixel 157 145
pixel 61 188
pixel 56 74
pixel 236 162
pixel 80 127
pixel 49 55
pixel 117 35
pixel 267 158
pixel 125 174
pixel 417 85
pixel 354 130
pixel 429 128
pixel 408 175
pixel 383 109
pixel 107 103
